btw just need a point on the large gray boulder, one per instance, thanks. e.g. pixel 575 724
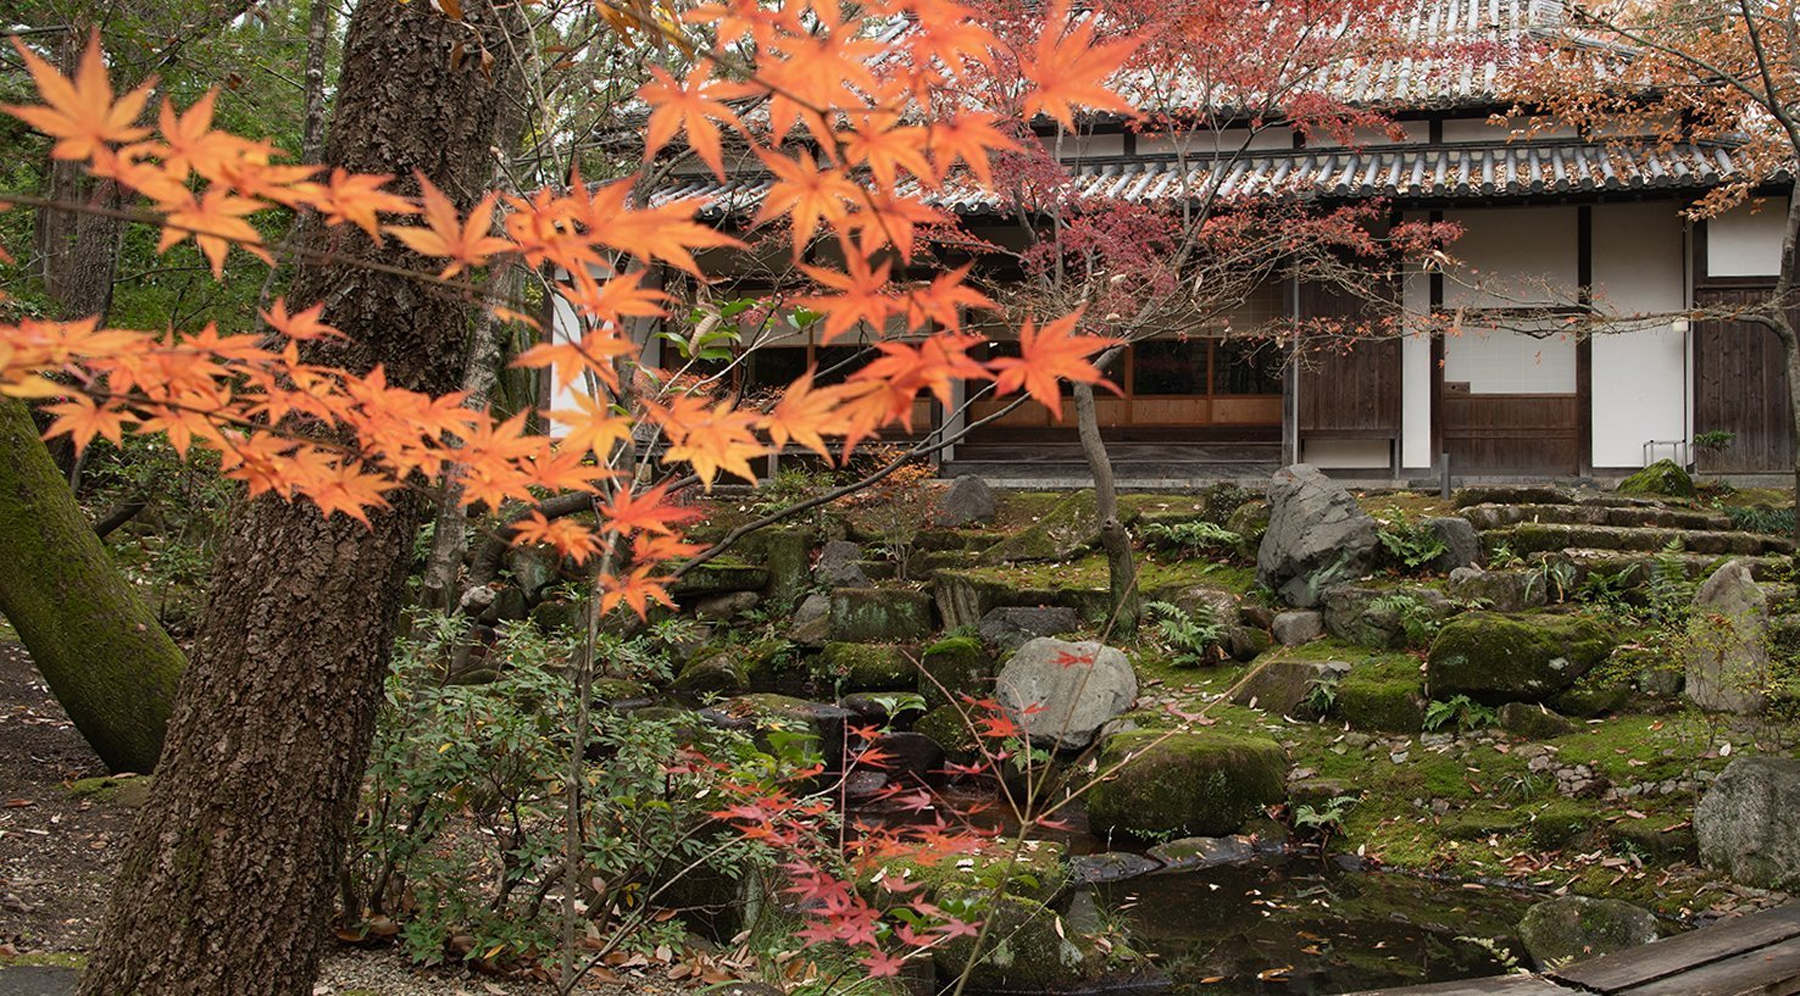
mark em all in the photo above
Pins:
pixel 1010 627
pixel 1462 544
pixel 1496 658
pixel 840 565
pixel 1317 536
pixel 1061 693
pixel 968 501
pixel 1574 928
pixel 1728 645
pixel 1745 824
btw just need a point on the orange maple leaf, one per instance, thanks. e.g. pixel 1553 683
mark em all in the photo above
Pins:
pixel 1048 356
pixel 216 222
pixel 1070 68
pixel 943 301
pixel 807 194
pixel 970 136
pixel 301 324
pixel 692 106
pixel 568 537
pixel 805 415
pixel 465 243
pixel 874 140
pixel 593 426
pixel 637 590
pixel 647 511
pixel 864 296
pixel 356 198
pixel 82 420
pixel 710 438
pixel 81 113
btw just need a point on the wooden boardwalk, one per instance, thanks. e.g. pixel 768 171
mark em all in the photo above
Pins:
pixel 1757 954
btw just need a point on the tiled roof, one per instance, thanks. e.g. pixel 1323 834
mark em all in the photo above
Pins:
pixel 1425 172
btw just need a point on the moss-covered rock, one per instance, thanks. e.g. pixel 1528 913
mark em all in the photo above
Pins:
pixel 1030 869
pixel 554 615
pixel 1533 721
pixel 880 615
pixel 1072 526
pixel 725 670
pixel 1249 521
pixel 1571 928
pixel 1495 658
pixel 787 556
pixel 1027 948
pixel 950 731
pixel 958 665
pixel 719 575
pixel 865 667
pixel 1203 783
pixel 1663 479
pixel 1385 696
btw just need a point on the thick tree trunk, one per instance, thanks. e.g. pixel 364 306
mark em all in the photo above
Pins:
pixel 1115 540
pixel 229 877
pixel 93 638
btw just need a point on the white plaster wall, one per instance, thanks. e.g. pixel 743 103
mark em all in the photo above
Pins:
pixel 1415 133
pixel 1498 361
pixel 1639 377
pixel 1197 143
pixel 1345 454
pixel 1084 146
pixel 1746 241
pixel 1479 130
pixel 1513 256
pixel 1415 374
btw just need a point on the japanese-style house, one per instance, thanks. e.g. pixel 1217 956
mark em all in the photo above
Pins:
pixel 1550 215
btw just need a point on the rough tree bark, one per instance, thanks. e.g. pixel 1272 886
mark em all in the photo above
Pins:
pixel 90 634
pixel 1115 539
pixel 228 879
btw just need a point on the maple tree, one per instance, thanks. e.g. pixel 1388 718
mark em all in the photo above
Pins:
pixel 310 414
pixel 1211 84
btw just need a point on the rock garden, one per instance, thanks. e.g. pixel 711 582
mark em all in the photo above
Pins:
pixel 1349 739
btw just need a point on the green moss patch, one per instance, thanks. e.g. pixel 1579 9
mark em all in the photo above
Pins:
pixel 1203 783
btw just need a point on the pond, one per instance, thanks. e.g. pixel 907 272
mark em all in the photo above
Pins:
pixel 1305 926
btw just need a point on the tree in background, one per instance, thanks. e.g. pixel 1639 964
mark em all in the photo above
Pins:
pixel 1210 80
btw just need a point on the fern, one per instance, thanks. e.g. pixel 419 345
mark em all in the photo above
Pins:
pixel 1192 637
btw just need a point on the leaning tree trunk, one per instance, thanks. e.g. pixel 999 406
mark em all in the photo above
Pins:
pixel 1115 540
pixel 107 660
pixel 228 880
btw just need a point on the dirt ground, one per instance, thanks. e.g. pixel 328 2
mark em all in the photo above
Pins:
pixel 57 852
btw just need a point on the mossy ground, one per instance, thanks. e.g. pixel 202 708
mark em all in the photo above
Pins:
pixel 1467 805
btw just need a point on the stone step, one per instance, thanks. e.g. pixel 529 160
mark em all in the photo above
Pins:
pixel 1636 568
pixel 1528 538
pixel 1495 516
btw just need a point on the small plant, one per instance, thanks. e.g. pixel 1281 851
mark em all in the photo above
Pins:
pixel 1412 544
pixel 1190 537
pixel 1192 637
pixel 1418 620
pixel 1762 519
pixel 1322 693
pixel 1502 953
pixel 1503 557
pixel 1555 578
pixel 1326 820
pixel 1464 712
pixel 1714 440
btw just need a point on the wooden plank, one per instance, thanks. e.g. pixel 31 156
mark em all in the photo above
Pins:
pixel 1740 386
pixel 1767 971
pixel 1502 985
pixel 1669 959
